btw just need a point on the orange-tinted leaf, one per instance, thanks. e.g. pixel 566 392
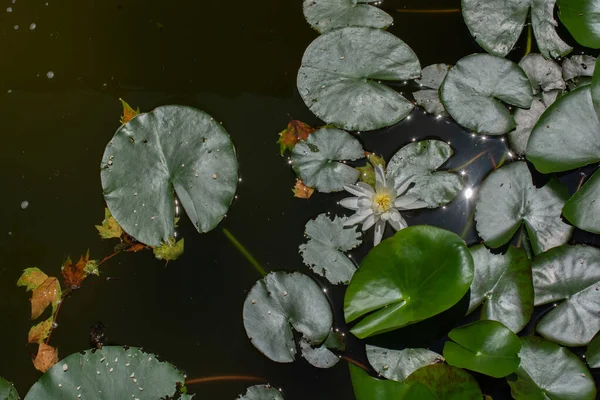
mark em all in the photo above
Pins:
pixel 136 247
pixel 128 112
pixel 74 274
pixel 47 293
pixel 109 228
pixel 301 190
pixel 295 132
pixel 31 278
pixel 46 357
pixel 38 333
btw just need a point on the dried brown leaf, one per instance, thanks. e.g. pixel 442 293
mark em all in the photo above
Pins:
pixel 46 357
pixel 47 293
pixel 31 278
pixel 38 333
pixel 302 191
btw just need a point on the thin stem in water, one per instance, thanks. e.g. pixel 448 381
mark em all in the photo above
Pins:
pixel 465 165
pixel 225 378
pixel 245 253
pixel 529 39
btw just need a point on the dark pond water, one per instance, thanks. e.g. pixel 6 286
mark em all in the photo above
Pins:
pixel 236 60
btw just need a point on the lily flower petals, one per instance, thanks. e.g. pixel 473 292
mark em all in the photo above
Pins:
pixel 379 227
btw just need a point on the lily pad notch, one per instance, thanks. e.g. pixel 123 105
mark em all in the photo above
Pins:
pixel 170 151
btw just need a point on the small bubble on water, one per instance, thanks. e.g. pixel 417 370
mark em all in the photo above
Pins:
pixel 9 9
pixel 16 27
pixel 24 204
pixel 50 74
pixel 32 26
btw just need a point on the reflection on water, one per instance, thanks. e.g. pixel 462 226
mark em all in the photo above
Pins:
pixel 62 79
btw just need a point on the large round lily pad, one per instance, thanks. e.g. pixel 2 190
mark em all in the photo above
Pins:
pixel 7 390
pixel 497 24
pixel 324 15
pixel 583 209
pixel 316 160
pixel 173 150
pixel 581 19
pixel 508 198
pixel 405 279
pixel 340 74
pixel 567 135
pixel 549 371
pixel 447 382
pixel 475 87
pixel 487 347
pixel 282 301
pixel 504 286
pixel 569 276
pixel 110 373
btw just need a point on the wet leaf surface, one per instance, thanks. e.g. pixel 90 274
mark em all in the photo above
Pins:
pixel 46 358
pixel 302 191
pixel 48 293
pixel 7 390
pixel 397 365
pixel 325 15
pixel 581 19
pixel 447 382
pixel 261 392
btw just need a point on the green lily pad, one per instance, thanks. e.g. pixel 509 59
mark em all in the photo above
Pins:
pixel 592 355
pixel 595 88
pixel 324 251
pixel 282 301
pixel 504 285
pixel 404 280
pixel 419 161
pixel 315 159
pixel 324 15
pixel 544 75
pixel 578 66
pixel 114 371
pixel 525 120
pixel 581 17
pixel 572 274
pixel 320 357
pixel 368 388
pixel 583 209
pixel 508 198
pixel 566 135
pixel 397 365
pixel 446 382
pixel 7 390
pixel 171 150
pixel 549 371
pixel 487 347
pixel 261 392
pixel 340 74
pixel 474 88
pixel 497 24
pixel 429 98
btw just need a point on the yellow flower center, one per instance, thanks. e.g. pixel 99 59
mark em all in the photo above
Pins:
pixel 382 202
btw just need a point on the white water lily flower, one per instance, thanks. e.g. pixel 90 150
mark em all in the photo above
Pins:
pixel 376 207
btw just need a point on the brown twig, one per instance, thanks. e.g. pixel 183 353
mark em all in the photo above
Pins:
pixel 225 378
pixel 357 363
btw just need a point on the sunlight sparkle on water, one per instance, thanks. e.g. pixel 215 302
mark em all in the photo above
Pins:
pixel 468 193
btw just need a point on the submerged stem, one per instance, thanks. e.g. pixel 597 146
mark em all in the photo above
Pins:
pixel 357 363
pixel 465 165
pixel 226 378
pixel 245 253
pixel 529 39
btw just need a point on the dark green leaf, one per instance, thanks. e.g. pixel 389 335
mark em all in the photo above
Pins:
pixel 261 392
pixel 583 209
pixel 419 161
pixel 324 251
pixel 340 74
pixel 572 274
pixel 7 390
pixel 581 17
pixel 548 371
pixel 487 347
pixel 503 284
pixel 397 365
pixel 315 159
pixel 592 355
pixel 324 15
pixel 114 371
pixel 474 88
pixel 282 301
pixel 595 89
pixel 447 382
pixel 171 150
pixel 405 279
pixel 368 388
pixel 508 198
pixel 566 135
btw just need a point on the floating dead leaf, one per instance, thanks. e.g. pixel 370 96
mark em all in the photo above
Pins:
pixel 45 294
pixel 46 357
pixel 38 333
pixel 74 274
pixel 109 228
pixel 31 278
pixel 302 191
pixel 128 112
pixel 295 132
pixel 169 251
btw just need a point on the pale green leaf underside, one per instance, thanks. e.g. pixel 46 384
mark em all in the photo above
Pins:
pixel 261 392
pixel 397 365
pixel 324 15
pixel 340 74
